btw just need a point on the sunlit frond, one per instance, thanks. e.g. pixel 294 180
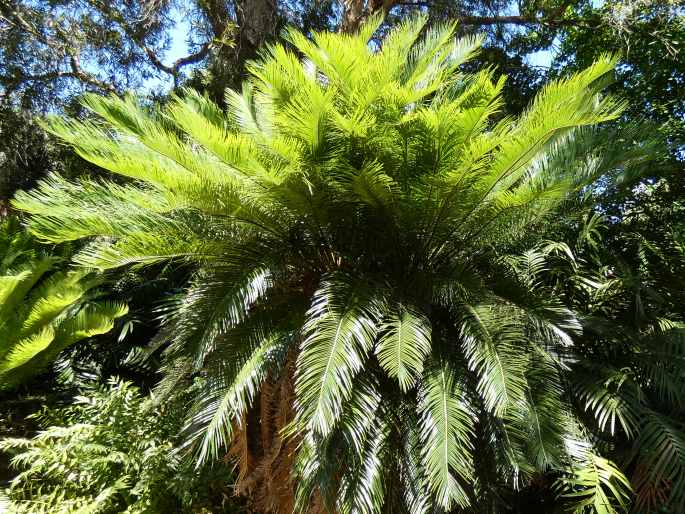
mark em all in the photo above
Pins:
pixel 339 333
pixel 404 343
pixel 446 434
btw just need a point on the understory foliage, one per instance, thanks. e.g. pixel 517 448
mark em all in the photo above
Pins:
pixel 631 377
pixel 109 452
pixel 44 308
pixel 370 304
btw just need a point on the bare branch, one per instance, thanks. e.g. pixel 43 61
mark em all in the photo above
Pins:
pixel 88 78
pixel 192 58
pixel 553 19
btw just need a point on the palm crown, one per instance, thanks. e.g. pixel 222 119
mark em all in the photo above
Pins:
pixel 353 222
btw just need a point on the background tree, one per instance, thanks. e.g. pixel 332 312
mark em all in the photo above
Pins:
pixel 53 50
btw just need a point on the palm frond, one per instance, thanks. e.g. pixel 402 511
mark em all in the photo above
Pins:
pixel 404 344
pixel 598 485
pixel 446 433
pixel 339 333
pixel 227 396
pixel 492 344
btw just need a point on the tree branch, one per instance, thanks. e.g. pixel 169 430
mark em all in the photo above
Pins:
pixel 175 68
pixel 61 47
pixel 553 19
pixel 192 58
pixel 15 18
pixel 88 78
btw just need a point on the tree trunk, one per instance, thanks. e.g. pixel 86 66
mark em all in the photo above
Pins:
pixel 356 11
pixel 247 24
pixel 264 457
pixel 257 23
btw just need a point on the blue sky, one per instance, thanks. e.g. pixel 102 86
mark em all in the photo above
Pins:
pixel 540 58
pixel 544 57
pixel 178 35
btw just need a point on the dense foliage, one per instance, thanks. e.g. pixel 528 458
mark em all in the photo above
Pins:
pixel 425 264
pixel 42 310
pixel 109 452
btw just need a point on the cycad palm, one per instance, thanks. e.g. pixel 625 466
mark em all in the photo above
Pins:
pixel 350 221
pixel 42 311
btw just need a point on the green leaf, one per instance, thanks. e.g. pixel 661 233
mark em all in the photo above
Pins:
pixel 597 484
pixel 404 343
pixel 494 345
pixel 226 398
pixel 339 332
pixel 447 435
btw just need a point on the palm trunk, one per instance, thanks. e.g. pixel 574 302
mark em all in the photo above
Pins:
pixel 264 456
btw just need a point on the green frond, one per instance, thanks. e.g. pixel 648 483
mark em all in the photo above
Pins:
pixel 446 435
pixel 493 343
pixel 404 344
pixel 51 298
pixel 362 411
pixel 216 302
pixel 370 185
pixel 598 485
pixel 42 313
pixel 661 360
pixel 416 494
pixel 546 422
pixel 661 449
pixel 40 345
pixel 21 352
pixel 92 320
pixel 560 106
pixel 339 333
pixel 611 397
pixel 362 487
pixel 16 285
pixel 227 396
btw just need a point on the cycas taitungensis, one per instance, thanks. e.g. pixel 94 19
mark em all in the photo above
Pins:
pixel 355 222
